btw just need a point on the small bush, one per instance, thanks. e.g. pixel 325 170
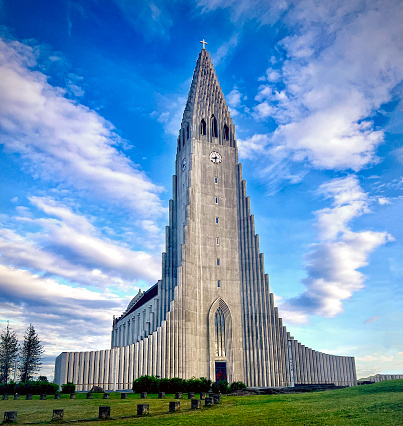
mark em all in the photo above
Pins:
pixel 237 386
pixel 68 387
pixel 96 389
pixel 178 385
pixel 220 387
pixel 149 384
pixel 35 388
pixel 7 388
pixel 205 384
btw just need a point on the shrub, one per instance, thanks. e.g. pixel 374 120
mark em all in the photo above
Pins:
pixel 149 384
pixel 178 385
pixel 36 388
pixel 198 385
pixel 237 386
pixel 205 385
pixel 68 387
pixel 173 385
pixel 7 388
pixel 220 387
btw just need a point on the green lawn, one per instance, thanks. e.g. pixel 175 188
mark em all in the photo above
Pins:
pixel 376 404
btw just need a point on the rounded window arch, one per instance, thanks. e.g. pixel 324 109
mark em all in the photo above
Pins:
pixel 214 131
pixel 203 127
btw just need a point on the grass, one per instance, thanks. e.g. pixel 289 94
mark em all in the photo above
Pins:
pixel 375 404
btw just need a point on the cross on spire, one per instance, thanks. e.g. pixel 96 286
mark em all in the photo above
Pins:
pixel 203 43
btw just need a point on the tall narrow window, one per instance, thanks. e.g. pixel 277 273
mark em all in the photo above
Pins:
pixel 216 220
pixel 216 179
pixel 183 136
pixel 203 127
pixel 216 200
pixel 217 241
pixel 218 283
pixel 219 333
pixel 214 132
pixel 226 132
pixel 187 131
pixel 218 262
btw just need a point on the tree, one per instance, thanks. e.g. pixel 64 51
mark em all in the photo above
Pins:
pixel 31 355
pixel 8 353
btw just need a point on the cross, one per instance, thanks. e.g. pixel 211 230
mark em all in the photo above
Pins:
pixel 203 43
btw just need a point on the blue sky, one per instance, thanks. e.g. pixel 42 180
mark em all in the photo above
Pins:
pixel 91 99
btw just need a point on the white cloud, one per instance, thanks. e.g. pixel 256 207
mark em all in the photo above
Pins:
pixel 253 146
pixel 225 49
pixel 234 98
pixel 383 201
pixel 332 91
pixel 330 81
pixel 171 117
pixel 67 245
pixel 64 141
pixel 57 311
pixel 333 264
pixel 388 362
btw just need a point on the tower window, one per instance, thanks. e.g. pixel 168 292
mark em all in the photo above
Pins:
pixel 217 241
pixel 203 127
pixel 218 262
pixel 187 131
pixel 216 220
pixel 226 132
pixel 214 132
pixel 216 179
pixel 219 332
pixel 218 283
pixel 216 200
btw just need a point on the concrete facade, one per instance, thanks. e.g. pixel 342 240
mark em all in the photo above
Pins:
pixel 212 311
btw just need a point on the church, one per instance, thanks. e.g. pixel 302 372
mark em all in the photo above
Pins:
pixel 212 314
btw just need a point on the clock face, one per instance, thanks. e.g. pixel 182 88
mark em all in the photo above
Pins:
pixel 215 157
pixel 183 165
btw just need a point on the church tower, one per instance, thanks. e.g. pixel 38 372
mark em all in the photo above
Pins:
pixel 211 314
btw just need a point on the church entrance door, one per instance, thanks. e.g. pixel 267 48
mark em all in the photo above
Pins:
pixel 220 371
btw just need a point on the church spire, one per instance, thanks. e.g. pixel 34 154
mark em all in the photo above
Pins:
pixel 206 115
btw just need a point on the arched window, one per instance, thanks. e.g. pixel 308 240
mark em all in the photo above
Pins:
pixel 203 127
pixel 183 137
pixel 226 132
pixel 214 132
pixel 187 131
pixel 219 333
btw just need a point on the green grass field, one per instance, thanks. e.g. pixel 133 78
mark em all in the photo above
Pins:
pixel 376 404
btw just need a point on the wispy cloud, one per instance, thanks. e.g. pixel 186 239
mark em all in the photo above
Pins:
pixel 372 319
pixel 151 19
pixel 172 107
pixel 64 141
pixel 225 49
pixel 60 313
pixel 65 244
pixel 323 96
pixel 333 264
